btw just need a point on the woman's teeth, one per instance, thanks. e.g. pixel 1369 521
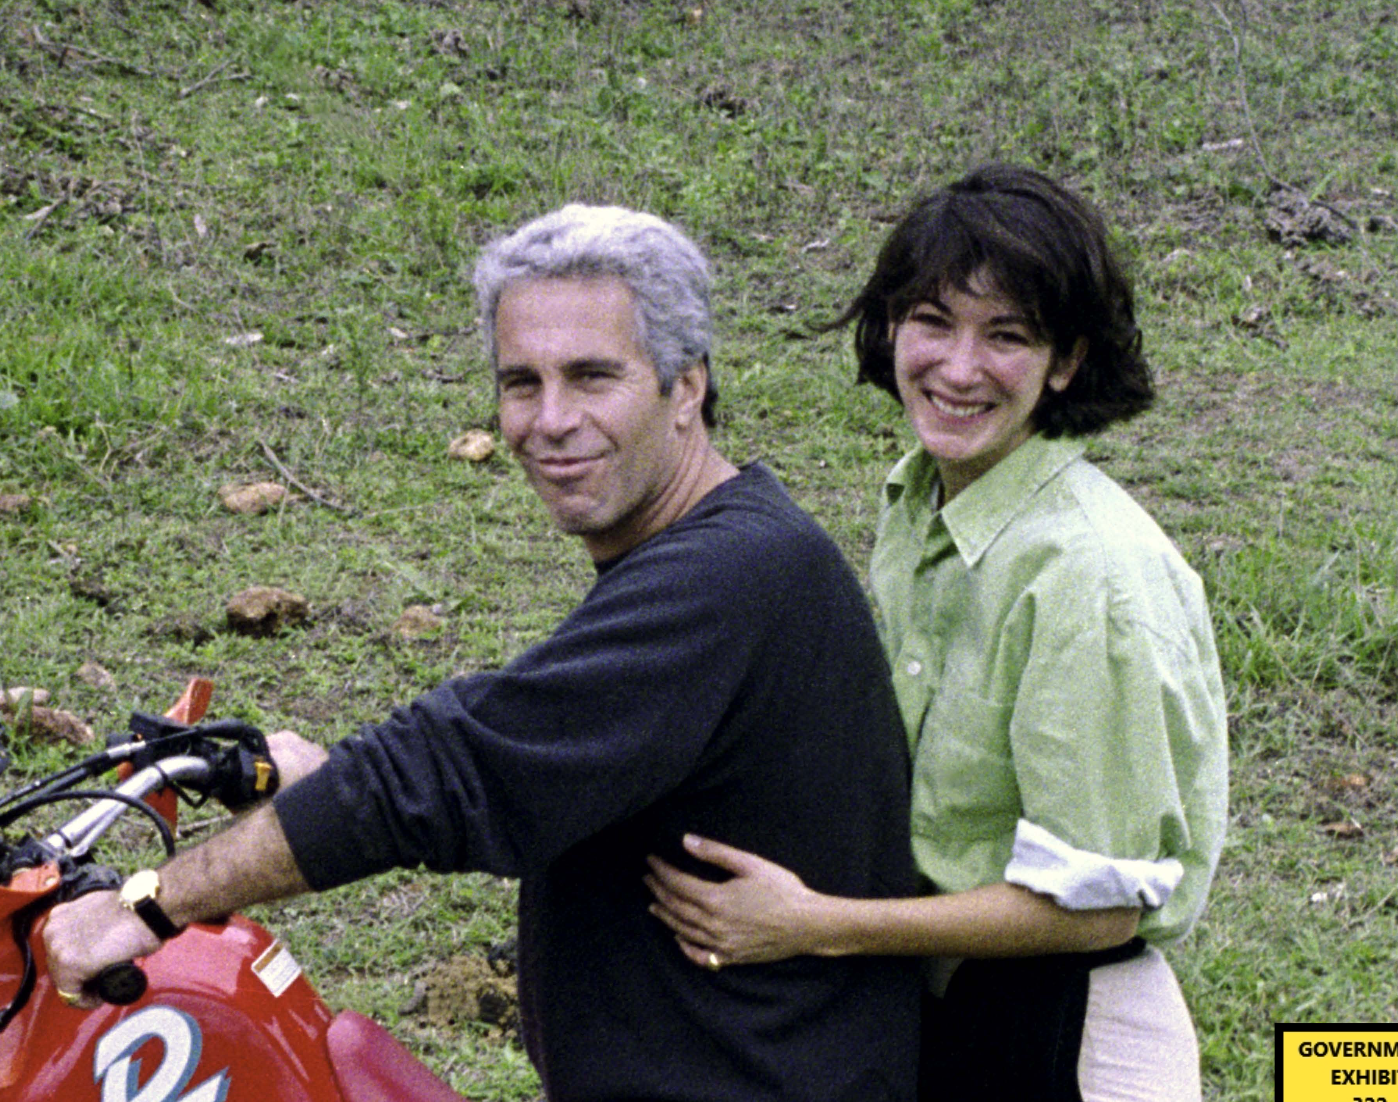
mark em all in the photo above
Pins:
pixel 962 411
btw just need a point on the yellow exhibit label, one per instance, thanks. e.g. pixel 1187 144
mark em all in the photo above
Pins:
pixel 1336 1063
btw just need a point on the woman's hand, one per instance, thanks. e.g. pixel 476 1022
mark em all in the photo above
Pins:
pixel 764 913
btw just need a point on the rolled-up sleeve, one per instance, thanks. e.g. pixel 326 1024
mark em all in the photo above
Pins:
pixel 1117 738
pixel 1081 880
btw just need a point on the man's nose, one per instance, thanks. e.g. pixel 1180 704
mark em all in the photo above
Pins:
pixel 557 413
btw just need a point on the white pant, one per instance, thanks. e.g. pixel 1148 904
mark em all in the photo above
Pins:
pixel 1138 1042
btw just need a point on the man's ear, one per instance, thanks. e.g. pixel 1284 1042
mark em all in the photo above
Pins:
pixel 687 392
pixel 1065 367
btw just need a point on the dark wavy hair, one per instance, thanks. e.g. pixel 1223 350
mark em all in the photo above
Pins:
pixel 1043 247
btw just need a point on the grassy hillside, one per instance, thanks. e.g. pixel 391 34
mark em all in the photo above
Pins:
pixel 236 240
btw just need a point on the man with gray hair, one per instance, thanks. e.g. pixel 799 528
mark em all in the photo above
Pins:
pixel 722 677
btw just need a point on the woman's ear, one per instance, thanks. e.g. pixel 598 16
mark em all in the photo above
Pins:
pixel 1065 367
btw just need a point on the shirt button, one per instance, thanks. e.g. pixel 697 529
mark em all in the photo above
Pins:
pixel 914 668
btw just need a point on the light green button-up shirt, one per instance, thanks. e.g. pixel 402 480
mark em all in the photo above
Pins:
pixel 1055 664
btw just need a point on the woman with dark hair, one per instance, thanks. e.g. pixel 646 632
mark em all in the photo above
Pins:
pixel 1055 665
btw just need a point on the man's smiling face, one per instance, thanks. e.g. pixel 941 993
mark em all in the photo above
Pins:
pixel 581 407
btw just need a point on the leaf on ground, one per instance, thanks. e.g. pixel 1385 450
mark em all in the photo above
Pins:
pixel 254 498
pixel 1333 894
pixel 416 622
pixel 1343 829
pixel 96 676
pixel 13 504
pixel 475 446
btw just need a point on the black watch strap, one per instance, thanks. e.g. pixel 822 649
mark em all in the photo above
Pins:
pixel 151 913
pixel 139 894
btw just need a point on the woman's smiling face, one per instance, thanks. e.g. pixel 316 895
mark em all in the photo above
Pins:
pixel 971 368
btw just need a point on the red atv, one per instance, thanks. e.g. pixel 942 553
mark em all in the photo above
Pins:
pixel 220 1012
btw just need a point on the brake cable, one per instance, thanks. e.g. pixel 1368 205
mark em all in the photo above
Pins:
pixel 20 924
pixel 167 836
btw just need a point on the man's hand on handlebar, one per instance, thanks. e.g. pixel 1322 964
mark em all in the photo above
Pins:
pixel 294 756
pixel 83 937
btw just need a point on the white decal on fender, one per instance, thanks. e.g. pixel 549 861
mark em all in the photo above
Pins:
pixel 276 968
pixel 119 1072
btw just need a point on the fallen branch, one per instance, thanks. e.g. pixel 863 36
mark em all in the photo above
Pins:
pixel 61 50
pixel 93 114
pixel 191 829
pixel 42 215
pixel 1240 77
pixel 212 77
pixel 286 474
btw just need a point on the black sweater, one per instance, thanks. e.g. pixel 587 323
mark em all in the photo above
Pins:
pixel 724 678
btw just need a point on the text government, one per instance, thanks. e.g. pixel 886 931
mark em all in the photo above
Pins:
pixel 1348 1049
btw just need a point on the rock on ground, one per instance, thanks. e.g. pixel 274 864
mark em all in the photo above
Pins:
pixel 265 610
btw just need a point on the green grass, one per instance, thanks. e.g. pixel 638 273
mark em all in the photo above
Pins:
pixel 175 174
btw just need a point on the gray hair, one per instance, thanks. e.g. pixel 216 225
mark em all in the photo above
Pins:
pixel 664 270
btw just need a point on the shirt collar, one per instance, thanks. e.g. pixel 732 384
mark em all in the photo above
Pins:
pixel 977 515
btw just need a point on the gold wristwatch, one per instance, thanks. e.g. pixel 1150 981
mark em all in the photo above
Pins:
pixel 139 895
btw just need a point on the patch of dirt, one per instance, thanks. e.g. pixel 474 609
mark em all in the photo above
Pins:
pixel 1294 220
pixel 180 627
pixel 472 988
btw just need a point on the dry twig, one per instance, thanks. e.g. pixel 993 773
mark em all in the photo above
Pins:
pixel 212 77
pixel 1237 39
pixel 42 215
pixel 291 478
pixel 62 50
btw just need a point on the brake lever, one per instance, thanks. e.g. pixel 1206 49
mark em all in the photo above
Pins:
pixel 241 767
pixel 243 776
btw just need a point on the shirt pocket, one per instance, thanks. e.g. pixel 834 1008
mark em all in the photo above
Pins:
pixel 964 783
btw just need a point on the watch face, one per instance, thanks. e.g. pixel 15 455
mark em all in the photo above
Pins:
pixel 140 885
pixel 138 894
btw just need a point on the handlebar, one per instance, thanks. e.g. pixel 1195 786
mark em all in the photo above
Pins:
pixel 125 982
pixel 226 759
pixel 75 837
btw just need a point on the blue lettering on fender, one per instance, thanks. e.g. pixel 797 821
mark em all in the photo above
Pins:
pixel 114 1066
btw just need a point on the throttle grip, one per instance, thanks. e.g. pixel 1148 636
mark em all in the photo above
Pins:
pixel 120 984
